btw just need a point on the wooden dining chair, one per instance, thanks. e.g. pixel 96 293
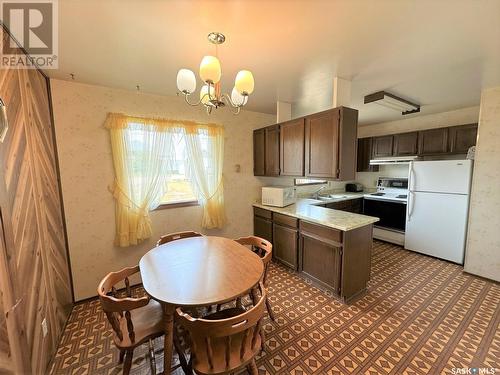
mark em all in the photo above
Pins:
pixel 134 320
pixel 224 345
pixel 264 249
pixel 177 236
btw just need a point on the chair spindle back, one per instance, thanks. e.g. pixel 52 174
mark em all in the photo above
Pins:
pixel 222 345
pixel 177 236
pixel 118 307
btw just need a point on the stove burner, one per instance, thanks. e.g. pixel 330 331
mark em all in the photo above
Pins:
pixel 377 194
pixel 403 196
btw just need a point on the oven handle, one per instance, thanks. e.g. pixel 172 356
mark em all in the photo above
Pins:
pixel 384 200
pixel 411 204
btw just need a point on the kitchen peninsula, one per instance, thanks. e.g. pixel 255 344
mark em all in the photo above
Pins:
pixel 330 247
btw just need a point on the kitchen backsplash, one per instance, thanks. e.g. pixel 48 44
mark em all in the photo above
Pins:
pixel 367 179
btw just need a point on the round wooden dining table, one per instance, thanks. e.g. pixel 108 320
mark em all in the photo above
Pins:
pixel 197 271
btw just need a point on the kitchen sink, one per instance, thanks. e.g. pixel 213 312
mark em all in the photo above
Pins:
pixel 337 196
pixel 324 198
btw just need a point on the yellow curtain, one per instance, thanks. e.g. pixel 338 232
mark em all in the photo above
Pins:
pixel 142 151
pixel 205 147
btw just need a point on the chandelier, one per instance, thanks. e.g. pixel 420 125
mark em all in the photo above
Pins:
pixel 210 73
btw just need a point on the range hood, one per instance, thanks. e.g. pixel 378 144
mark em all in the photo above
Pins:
pixel 394 160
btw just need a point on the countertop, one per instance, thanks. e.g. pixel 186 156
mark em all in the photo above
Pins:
pixel 308 210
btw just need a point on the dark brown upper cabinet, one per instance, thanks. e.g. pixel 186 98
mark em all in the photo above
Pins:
pixel 382 146
pixel 266 151
pixel 364 156
pixel 322 145
pixel 331 143
pixel 405 144
pixel 259 147
pixel 292 148
pixel 272 152
pixel 461 138
pixel 433 141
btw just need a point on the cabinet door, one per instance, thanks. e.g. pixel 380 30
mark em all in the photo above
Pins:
pixel 433 141
pixel 462 138
pixel 382 146
pixel 263 228
pixel 405 144
pixel 322 144
pixel 364 156
pixel 285 245
pixel 292 148
pixel 357 206
pixel 259 152
pixel 321 261
pixel 272 150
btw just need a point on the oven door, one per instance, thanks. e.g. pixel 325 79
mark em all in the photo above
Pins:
pixel 392 214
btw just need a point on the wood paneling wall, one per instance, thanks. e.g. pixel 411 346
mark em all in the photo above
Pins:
pixel 35 277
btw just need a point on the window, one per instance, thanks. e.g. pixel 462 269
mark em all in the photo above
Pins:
pixel 308 181
pixel 164 161
pixel 179 184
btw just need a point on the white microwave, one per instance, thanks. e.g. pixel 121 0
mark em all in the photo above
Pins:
pixel 278 196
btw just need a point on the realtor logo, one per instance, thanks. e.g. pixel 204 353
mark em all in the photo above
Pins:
pixel 33 25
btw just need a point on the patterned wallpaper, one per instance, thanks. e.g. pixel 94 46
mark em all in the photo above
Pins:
pixel 482 256
pixel 87 171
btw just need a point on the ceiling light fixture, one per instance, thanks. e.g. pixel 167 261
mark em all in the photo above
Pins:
pixel 210 73
pixel 392 101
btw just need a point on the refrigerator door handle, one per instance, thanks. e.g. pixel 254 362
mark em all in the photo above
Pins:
pixel 411 204
pixel 412 178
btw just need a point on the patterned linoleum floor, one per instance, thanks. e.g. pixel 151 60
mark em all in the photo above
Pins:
pixel 420 316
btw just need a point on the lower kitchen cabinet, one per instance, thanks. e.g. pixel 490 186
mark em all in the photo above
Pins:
pixel 336 260
pixel 285 245
pixel 320 259
pixel 263 228
pixel 333 259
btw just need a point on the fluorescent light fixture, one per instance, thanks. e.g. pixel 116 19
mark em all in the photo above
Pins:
pixel 392 101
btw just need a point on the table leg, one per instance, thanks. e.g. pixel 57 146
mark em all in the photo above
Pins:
pixel 168 316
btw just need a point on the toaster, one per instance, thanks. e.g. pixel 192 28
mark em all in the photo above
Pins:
pixel 354 187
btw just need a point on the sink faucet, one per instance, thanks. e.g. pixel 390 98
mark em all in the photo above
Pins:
pixel 316 193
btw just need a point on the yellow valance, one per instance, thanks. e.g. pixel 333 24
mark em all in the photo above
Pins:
pixel 122 121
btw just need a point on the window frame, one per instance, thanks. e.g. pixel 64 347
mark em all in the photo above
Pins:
pixel 178 204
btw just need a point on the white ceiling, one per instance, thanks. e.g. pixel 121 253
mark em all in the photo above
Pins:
pixel 439 53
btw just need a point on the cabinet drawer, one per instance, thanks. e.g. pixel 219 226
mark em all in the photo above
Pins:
pixel 262 213
pixel 285 220
pixel 328 234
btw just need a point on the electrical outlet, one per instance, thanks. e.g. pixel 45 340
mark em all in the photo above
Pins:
pixel 45 328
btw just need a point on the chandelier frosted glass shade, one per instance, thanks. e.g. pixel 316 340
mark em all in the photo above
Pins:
pixel 186 81
pixel 244 82
pixel 204 97
pixel 210 70
pixel 237 98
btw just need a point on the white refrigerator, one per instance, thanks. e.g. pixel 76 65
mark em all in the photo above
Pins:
pixel 438 207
